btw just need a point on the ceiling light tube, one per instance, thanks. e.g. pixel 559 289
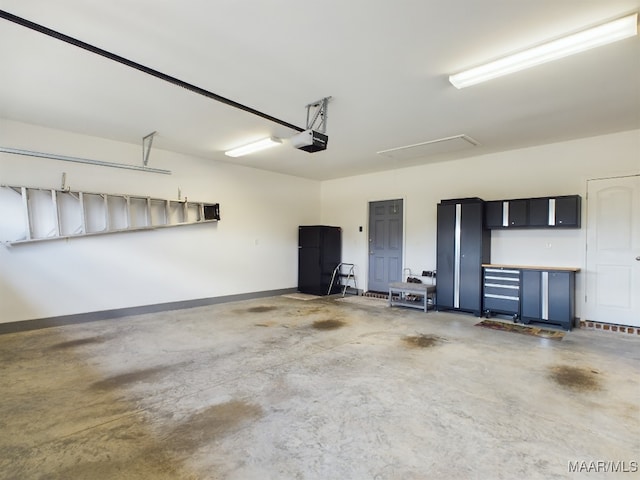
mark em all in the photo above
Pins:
pixel 594 37
pixel 254 147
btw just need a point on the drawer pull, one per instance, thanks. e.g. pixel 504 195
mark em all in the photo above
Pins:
pixel 497 285
pixel 500 270
pixel 502 297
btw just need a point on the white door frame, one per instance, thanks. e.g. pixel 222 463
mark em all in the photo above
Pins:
pixel 591 312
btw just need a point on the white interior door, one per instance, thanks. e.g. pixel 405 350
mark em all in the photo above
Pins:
pixel 613 251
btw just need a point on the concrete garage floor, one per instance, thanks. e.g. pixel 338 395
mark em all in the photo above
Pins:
pixel 280 388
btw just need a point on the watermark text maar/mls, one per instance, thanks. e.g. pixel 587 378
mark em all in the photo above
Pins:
pixel 603 466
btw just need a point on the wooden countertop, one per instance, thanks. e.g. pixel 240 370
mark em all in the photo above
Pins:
pixel 531 267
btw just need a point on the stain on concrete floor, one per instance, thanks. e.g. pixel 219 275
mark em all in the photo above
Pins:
pixel 576 378
pixel 330 324
pixel 261 309
pixel 146 464
pixel 212 423
pixel 136 376
pixel 422 341
pixel 79 342
pixel 141 459
pixel 311 310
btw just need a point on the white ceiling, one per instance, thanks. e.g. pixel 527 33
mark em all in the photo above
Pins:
pixel 385 64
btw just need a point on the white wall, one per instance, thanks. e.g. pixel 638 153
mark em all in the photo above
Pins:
pixel 555 169
pixel 252 249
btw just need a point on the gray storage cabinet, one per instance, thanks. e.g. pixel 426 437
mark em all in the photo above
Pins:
pixel 548 296
pixel 319 253
pixel 501 291
pixel 463 245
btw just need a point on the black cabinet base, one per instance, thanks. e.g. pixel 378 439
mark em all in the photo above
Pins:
pixel 440 308
pixel 488 313
pixel 542 323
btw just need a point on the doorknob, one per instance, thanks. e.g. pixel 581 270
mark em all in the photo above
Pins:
pixel 638 258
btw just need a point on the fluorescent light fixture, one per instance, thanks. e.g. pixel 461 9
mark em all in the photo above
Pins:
pixel 594 37
pixel 254 147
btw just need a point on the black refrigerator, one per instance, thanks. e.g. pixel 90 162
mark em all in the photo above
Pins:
pixel 463 245
pixel 319 253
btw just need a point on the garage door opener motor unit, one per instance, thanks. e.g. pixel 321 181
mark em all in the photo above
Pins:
pixel 314 138
pixel 310 141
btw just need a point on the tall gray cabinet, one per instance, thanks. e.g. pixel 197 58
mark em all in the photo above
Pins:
pixel 463 245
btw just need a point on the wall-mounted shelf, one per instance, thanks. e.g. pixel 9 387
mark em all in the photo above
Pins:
pixel 39 214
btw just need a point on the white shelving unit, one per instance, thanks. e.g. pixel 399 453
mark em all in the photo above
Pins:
pixel 31 214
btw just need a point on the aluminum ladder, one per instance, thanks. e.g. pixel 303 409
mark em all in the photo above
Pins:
pixel 338 274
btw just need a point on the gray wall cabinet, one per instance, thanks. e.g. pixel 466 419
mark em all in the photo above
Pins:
pixel 543 212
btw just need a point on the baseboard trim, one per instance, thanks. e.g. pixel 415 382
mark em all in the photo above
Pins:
pixel 376 295
pixel 40 323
